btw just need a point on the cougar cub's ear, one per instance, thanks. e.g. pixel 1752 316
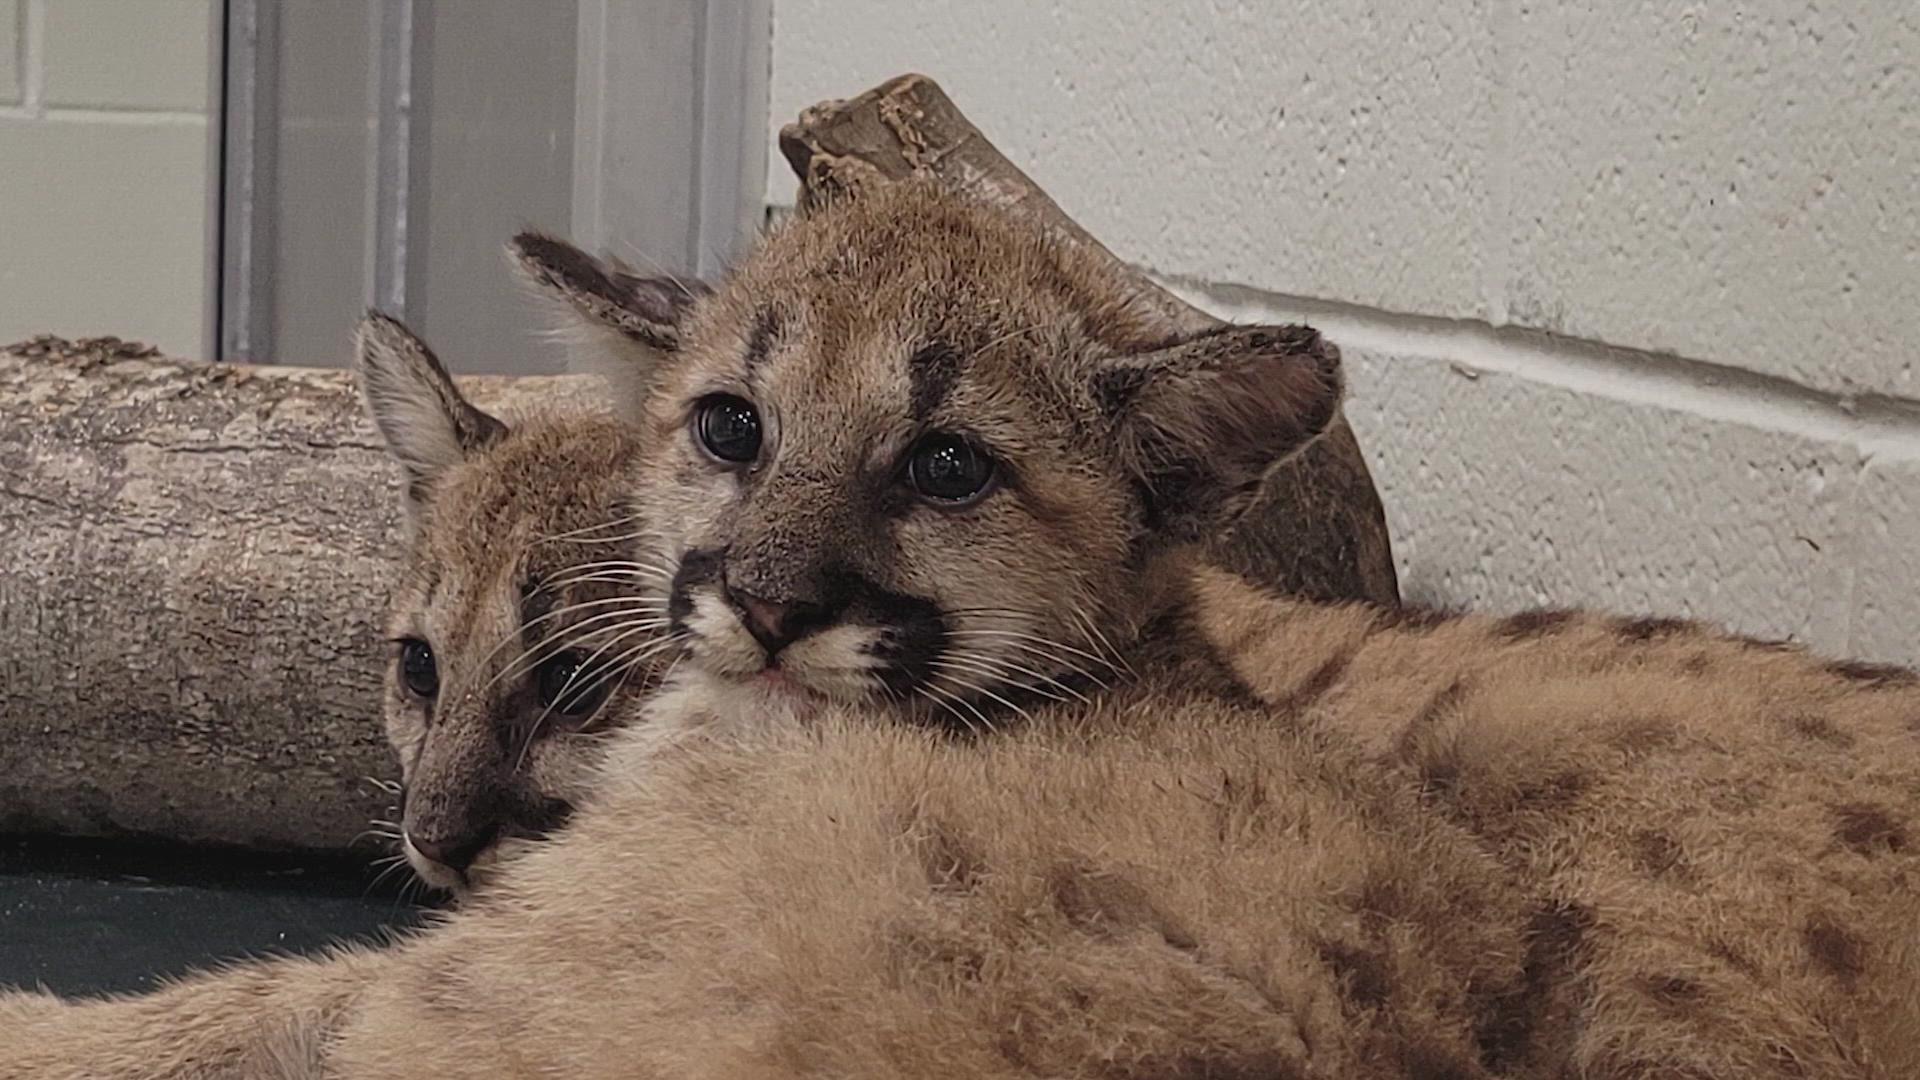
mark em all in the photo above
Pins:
pixel 1200 423
pixel 611 302
pixel 427 424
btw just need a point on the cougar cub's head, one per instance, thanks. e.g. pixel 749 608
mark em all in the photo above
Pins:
pixel 913 449
pixel 516 623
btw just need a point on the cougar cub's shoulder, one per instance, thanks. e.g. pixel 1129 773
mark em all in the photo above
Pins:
pixel 516 631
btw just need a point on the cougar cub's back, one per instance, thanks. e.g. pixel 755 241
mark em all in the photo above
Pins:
pixel 517 636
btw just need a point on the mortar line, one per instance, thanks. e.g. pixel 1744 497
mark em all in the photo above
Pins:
pixel 32 52
pixel 1878 425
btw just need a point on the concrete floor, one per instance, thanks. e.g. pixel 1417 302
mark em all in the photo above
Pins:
pixel 86 917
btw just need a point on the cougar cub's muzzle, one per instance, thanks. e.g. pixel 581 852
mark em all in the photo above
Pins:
pixel 445 835
pixel 827 629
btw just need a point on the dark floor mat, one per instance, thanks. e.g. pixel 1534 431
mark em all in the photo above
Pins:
pixel 83 917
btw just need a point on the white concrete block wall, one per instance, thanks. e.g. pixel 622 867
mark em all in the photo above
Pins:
pixel 1630 291
pixel 104 169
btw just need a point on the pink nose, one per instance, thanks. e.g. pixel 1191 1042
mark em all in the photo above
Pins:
pixel 769 621
pixel 453 852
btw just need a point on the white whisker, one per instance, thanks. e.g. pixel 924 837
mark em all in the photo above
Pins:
pixel 981 690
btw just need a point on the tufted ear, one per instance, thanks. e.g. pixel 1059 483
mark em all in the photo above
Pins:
pixel 1200 423
pixel 426 422
pixel 635 319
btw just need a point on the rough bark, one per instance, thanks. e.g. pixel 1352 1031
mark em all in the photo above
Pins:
pixel 197 559
pixel 1318 527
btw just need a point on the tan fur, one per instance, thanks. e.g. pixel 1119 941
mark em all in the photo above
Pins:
pixel 541 510
pixel 519 563
pixel 1592 861
pixel 1280 841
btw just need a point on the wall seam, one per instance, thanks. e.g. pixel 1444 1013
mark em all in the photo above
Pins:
pixel 1879 426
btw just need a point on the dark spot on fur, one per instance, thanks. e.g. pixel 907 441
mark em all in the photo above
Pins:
pixel 1410 743
pixel 1834 949
pixel 1441 703
pixel 1869 829
pixel 1363 974
pixel 1651 628
pixel 931 374
pixel 1104 903
pixel 1640 733
pixel 1819 729
pixel 1173 643
pixel 766 326
pixel 1674 991
pixel 1729 954
pixel 1554 791
pixel 1874 676
pixel 1315 686
pixel 1697 664
pixel 1658 854
pixel 1555 940
pixel 949 865
pixel 1536 623
pixel 1414 620
pixel 1116 387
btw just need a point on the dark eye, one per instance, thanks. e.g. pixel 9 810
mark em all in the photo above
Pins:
pixel 949 469
pixel 568 687
pixel 728 428
pixel 417 670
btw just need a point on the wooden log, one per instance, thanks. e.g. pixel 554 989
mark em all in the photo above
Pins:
pixel 193 595
pixel 1318 526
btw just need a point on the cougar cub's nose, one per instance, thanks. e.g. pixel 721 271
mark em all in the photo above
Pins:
pixel 453 852
pixel 774 624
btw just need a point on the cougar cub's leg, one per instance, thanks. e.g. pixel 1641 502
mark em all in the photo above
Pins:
pixel 263 1021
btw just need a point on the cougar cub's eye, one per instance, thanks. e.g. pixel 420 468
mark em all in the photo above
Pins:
pixel 728 428
pixel 949 469
pixel 417 669
pixel 585 691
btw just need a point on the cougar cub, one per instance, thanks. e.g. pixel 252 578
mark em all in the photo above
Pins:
pixel 1266 838
pixel 506 672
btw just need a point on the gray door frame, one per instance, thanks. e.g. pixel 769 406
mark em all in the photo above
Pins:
pixel 669 148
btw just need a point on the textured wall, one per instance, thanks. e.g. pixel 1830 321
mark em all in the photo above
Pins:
pixel 1630 291
pixel 104 169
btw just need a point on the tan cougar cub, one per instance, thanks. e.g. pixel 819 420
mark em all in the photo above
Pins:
pixel 1269 840
pixel 501 685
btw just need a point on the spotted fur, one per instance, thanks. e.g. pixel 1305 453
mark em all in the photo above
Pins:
pixel 1284 840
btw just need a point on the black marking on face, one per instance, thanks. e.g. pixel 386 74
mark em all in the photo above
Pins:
pixel 914 635
pixel 535 603
pixel 766 326
pixel 699 567
pixel 1116 388
pixel 931 374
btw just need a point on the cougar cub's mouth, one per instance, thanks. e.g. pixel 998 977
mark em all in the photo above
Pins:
pixel 834 634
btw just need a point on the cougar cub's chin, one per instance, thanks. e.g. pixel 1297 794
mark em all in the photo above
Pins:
pixel 519 635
